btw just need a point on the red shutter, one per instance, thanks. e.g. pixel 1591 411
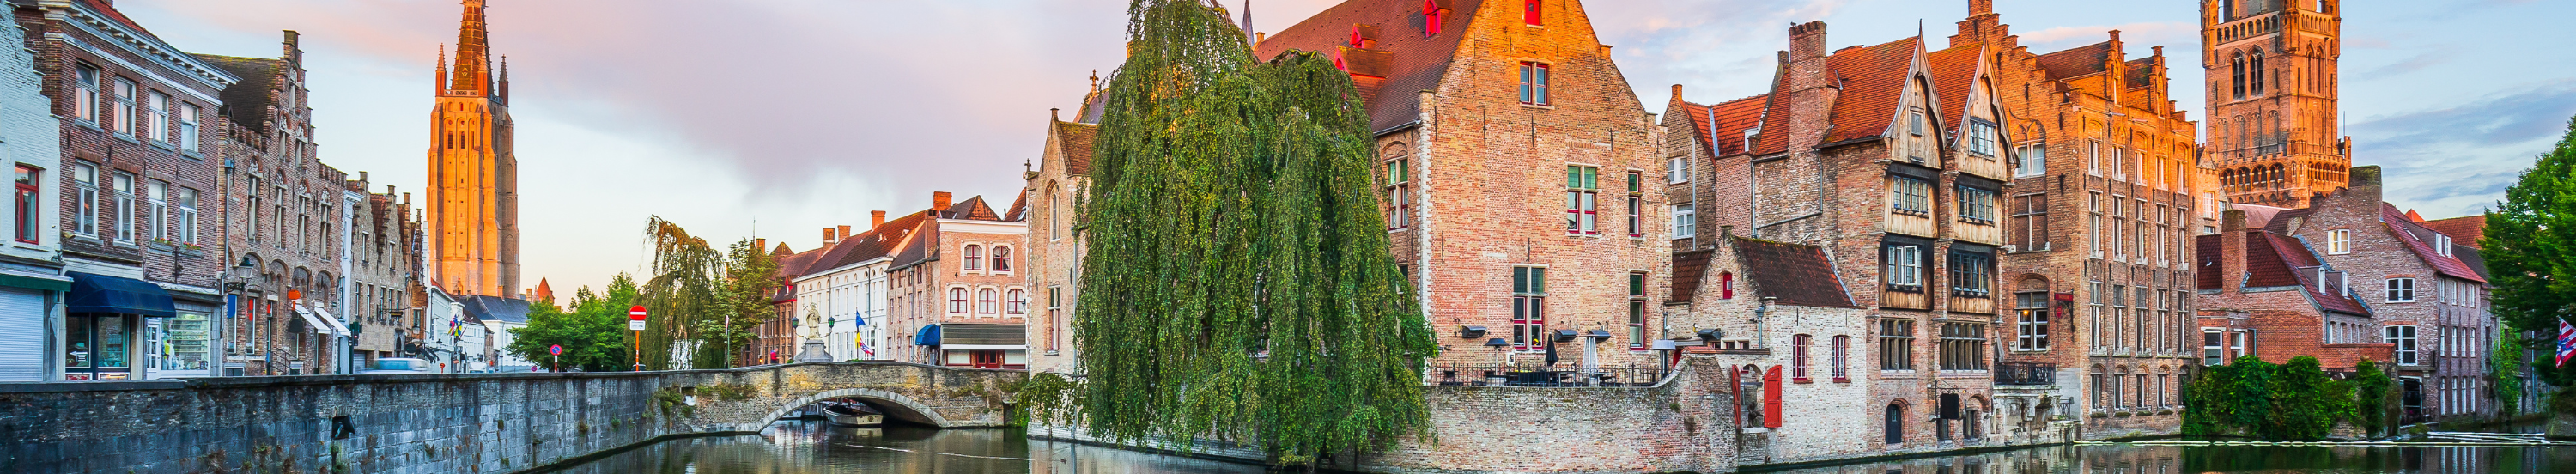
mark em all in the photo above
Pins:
pixel 1771 398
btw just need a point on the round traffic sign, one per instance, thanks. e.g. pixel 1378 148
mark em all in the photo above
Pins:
pixel 555 349
pixel 636 313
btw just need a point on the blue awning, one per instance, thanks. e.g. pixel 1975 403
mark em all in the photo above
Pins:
pixel 92 293
pixel 929 336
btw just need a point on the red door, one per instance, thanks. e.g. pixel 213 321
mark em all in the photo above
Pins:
pixel 987 359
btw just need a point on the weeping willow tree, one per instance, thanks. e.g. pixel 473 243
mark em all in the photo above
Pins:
pixel 703 303
pixel 1238 283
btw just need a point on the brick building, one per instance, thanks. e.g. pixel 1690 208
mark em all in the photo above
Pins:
pixel 282 221
pixel 31 265
pixel 2109 185
pixel 1859 199
pixel 474 170
pixel 1516 164
pixel 842 286
pixel 2274 128
pixel 1055 246
pixel 955 293
pixel 378 272
pixel 136 155
pixel 2269 295
pixel 2425 292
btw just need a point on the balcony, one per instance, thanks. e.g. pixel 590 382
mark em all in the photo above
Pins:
pixel 2025 373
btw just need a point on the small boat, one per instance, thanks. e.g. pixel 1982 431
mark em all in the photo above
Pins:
pixel 852 415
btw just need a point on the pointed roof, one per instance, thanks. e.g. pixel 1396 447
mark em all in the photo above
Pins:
pixel 2276 260
pixel 1413 59
pixel 1019 208
pixel 1732 118
pixel 1795 274
pixel 1073 142
pixel 2463 230
pixel 473 52
pixel 972 208
pixel 2420 240
pixel 1954 73
pixel 1874 81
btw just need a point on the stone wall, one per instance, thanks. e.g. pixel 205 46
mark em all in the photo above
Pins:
pixel 448 423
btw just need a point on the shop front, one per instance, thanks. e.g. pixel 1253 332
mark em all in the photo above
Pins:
pixel 104 323
pixel 983 346
pixel 182 345
pixel 26 304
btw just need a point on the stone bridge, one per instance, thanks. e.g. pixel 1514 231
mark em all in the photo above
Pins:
pixel 463 423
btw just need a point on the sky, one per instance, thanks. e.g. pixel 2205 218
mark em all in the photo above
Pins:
pixel 777 118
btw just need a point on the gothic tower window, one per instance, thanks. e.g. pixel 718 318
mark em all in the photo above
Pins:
pixel 2236 74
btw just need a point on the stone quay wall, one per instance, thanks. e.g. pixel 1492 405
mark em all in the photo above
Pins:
pixel 443 423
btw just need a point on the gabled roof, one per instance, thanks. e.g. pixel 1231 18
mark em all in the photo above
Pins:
pixel 247 102
pixel 1874 80
pixel 2076 61
pixel 972 208
pixel 1073 144
pixel 1414 61
pixel 2463 230
pixel 2260 216
pixel 1687 269
pixel 875 243
pixel 2280 221
pixel 2420 240
pixel 2277 260
pixel 1732 118
pixel 1954 77
pixel 1795 274
pixel 2141 73
pixel 1019 208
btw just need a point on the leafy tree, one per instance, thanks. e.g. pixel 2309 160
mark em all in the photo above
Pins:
pixel 2528 239
pixel 2504 370
pixel 592 329
pixel 1238 283
pixel 703 303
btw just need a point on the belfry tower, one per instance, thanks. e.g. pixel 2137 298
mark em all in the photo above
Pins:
pixel 474 179
pixel 2274 128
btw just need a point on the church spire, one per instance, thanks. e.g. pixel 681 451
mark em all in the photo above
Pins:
pixel 505 93
pixel 442 70
pixel 473 52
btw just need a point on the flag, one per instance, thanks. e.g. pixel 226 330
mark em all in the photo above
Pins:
pixel 2566 342
pixel 859 318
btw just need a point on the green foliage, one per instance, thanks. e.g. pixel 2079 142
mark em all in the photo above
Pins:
pixel 2504 371
pixel 2563 402
pixel 2293 401
pixel 592 330
pixel 702 302
pixel 2528 239
pixel 1238 282
pixel 731 392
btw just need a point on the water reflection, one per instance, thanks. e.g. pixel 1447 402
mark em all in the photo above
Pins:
pixel 797 447
pixel 2147 459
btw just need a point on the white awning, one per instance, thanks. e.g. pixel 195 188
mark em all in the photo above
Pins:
pixel 322 323
pixel 982 347
pixel 336 326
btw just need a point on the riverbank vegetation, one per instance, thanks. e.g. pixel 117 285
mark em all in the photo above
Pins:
pixel 2528 238
pixel 1238 283
pixel 2295 401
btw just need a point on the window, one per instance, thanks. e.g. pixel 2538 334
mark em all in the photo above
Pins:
pixel 974 257
pixel 1637 323
pixel 1399 190
pixel 188 126
pixel 984 301
pixel 2030 225
pixel 2254 74
pixel 1677 170
pixel 27 221
pixel 1016 302
pixel 1917 125
pixel 1725 285
pixel 2034 161
pixel 1529 308
pixel 2236 74
pixel 957 301
pixel 2442 244
pixel 157 124
pixel 2401 290
pixel 2339 241
pixel 2404 338
pixel 85 93
pixel 1055 312
pixel 124 120
pixel 1976 205
pixel 1685 221
pixel 1534 81
pixel 2213 350
pixel 1636 216
pixel 156 198
pixel 1895 344
pixel 1971 274
pixel 1582 198
pixel 1963 346
pixel 1798 359
pixel 1904 267
pixel 1002 258
pixel 1842 358
pixel 2031 322
pixel 2093 154
pixel 1530 13
pixel 1913 196
pixel 1981 137
pixel 123 185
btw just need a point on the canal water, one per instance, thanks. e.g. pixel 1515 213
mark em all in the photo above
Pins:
pixel 798 447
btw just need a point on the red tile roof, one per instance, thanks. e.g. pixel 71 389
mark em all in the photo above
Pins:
pixel 107 10
pixel 2279 260
pixel 1687 267
pixel 1874 83
pixel 1416 61
pixel 2077 61
pixel 2259 216
pixel 1796 274
pixel 1733 118
pixel 1019 208
pixel 1954 73
pixel 1075 142
pixel 2420 239
pixel 2463 230
pixel 2212 257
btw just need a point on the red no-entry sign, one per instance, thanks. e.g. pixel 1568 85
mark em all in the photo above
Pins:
pixel 635 318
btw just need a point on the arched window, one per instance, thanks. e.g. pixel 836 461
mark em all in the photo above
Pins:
pixel 974 257
pixel 1016 301
pixel 1798 358
pixel 1055 212
pixel 2236 74
pixel 957 300
pixel 984 301
pixel 1896 422
pixel 1001 258
pixel 2254 74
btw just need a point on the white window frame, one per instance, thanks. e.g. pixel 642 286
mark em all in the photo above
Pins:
pixel 2338 241
pixel 1677 170
pixel 2034 160
pixel 188 126
pixel 121 186
pixel 156 198
pixel 2405 338
pixel 1685 221
pixel 2401 290
pixel 85 180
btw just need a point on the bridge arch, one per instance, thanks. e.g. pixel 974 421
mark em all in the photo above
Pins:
pixel 895 405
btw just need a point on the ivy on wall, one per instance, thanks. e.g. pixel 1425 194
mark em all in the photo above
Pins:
pixel 2295 401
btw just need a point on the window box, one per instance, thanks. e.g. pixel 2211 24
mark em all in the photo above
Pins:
pixel 1842 379
pixel 1802 380
pixel 2100 415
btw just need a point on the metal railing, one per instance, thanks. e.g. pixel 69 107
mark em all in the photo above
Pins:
pixel 2025 373
pixel 1541 376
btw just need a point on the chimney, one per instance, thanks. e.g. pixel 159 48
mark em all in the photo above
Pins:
pixel 362 177
pixel 760 245
pixel 2365 184
pixel 1677 92
pixel 2231 250
pixel 1807 40
pixel 845 232
pixel 829 237
pixel 876 219
pixel 939 203
pixel 1980 7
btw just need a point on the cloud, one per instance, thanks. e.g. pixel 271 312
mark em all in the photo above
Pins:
pixel 2458 159
pixel 2538 111
pixel 2412 64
